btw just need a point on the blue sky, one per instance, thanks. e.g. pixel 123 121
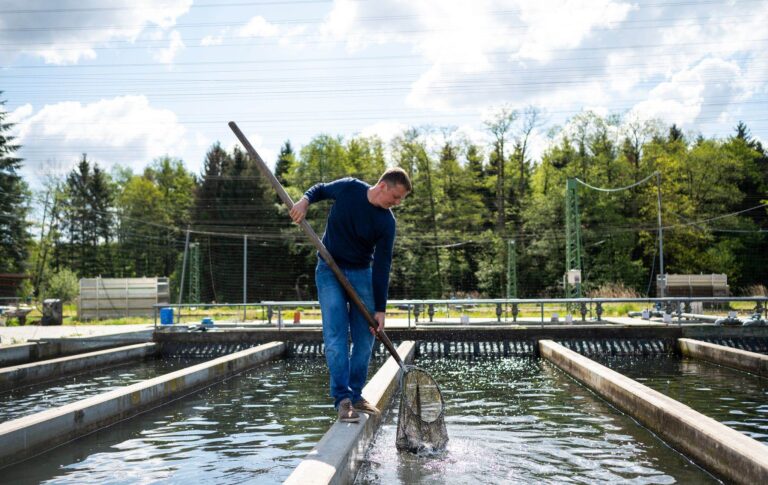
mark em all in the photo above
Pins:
pixel 129 81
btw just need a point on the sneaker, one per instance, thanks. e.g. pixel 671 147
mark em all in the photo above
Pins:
pixel 365 407
pixel 347 413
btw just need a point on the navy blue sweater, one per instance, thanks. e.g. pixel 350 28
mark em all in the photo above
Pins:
pixel 358 232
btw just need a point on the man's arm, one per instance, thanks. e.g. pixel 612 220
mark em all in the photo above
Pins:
pixel 316 193
pixel 382 262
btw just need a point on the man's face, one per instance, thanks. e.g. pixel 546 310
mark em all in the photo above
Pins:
pixel 392 196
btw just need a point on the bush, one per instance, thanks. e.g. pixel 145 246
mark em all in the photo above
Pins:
pixel 613 290
pixel 756 290
pixel 63 285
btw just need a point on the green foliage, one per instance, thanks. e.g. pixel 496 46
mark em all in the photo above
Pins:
pixel 62 284
pixel 86 221
pixel 453 230
pixel 232 202
pixel 14 194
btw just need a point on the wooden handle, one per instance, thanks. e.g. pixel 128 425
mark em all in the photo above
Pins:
pixel 310 233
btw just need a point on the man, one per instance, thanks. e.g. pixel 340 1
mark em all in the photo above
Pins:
pixel 360 230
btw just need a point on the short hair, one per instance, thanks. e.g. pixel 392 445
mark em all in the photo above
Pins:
pixel 396 176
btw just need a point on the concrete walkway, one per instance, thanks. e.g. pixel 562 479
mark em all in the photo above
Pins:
pixel 18 335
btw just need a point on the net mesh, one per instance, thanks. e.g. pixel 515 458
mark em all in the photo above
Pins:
pixel 421 423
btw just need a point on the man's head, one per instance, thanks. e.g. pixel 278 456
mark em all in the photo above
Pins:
pixel 392 187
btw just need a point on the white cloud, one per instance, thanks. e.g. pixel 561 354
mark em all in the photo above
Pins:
pixel 209 40
pixel 125 130
pixel 70 34
pixel 558 24
pixel 258 27
pixel 167 55
pixel 386 130
pixel 689 64
pixel 698 95
pixel 20 113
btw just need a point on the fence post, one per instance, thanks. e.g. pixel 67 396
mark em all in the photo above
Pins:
pixel 245 274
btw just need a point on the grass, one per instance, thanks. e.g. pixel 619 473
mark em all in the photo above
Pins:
pixel 488 312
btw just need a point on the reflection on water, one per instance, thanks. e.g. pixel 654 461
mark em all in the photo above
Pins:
pixel 253 428
pixel 734 398
pixel 521 420
pixel 40 397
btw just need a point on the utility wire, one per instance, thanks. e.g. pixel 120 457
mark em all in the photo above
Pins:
pixel 654 174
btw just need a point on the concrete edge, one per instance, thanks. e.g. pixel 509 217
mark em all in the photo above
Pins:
pixel 31 435
pixel 726 356
pixel 718 448
pixel 17 353
pixel 26 374
pixel 41 349
pixel 337 456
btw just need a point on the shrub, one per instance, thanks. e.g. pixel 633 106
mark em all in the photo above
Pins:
pixel 756 290
pixel 63 285
pixel 613 290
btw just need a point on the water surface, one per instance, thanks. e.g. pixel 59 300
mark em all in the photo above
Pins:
pixel 736 399
pixel 253 428
pixel 521 420
pixel 27 400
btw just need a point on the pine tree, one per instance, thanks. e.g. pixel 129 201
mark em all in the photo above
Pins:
pixel 14 237
pixel 87 220
pixel 285 162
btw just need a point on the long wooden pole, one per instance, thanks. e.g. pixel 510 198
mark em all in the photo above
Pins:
pixel 310 233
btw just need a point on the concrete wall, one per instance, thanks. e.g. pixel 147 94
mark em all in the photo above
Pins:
pixel 26 374
pixel 718 448
pixel 17 354
pixel 25 437
pixel 58 347
pixel 337 457
pixel 727 356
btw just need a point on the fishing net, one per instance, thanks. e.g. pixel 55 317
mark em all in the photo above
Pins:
pixel 421 423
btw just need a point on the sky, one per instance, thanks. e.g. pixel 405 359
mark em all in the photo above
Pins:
pixel 128 81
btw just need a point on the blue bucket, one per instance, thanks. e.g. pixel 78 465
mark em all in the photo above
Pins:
pixel 166 316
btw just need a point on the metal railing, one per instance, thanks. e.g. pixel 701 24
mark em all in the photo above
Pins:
pixel 504 310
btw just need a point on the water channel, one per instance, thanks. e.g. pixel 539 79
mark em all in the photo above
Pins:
pixel 253 428
pixel 23 401
pixel 522 420
pixel 736 399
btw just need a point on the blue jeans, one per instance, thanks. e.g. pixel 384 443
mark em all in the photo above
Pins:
pixel 342 319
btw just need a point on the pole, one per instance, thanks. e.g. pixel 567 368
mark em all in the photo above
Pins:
pixel 183 267
pixel 661 237
pixel 245 273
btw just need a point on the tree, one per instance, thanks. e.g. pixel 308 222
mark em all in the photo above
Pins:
pixel 177 197
pixel 232 203
pixel 140 230
pixel 285 162
pixel 86 219
pixel 14 194
pixel 419 220
pixel 499 126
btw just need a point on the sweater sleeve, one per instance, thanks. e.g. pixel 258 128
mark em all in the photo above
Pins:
pixel 324 191
pixel 382 262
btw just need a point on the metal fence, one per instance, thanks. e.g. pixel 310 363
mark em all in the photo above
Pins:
pixel 121 297
pixel 466 311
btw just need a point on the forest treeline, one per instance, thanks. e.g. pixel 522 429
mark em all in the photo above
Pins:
pixel 454 231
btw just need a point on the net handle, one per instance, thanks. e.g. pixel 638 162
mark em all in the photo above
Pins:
pixel 324 253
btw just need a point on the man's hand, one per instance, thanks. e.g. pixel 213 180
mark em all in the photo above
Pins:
pixel 379 317
pixel 299 210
